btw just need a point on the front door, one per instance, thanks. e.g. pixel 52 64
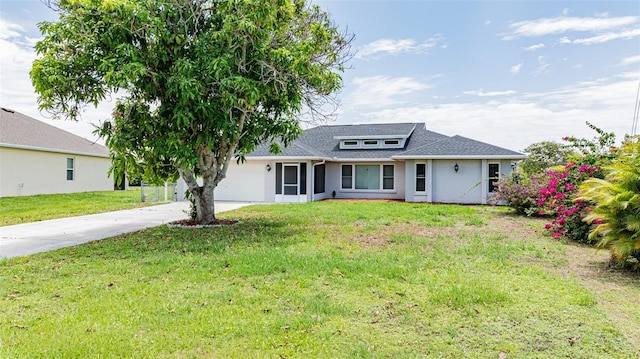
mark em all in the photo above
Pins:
pixel 291 182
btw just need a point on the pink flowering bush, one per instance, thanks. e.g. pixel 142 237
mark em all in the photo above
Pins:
pixel 520 193
pixel 557 199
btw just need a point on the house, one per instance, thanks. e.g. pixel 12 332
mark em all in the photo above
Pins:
pixel 37 158
pixel 401 161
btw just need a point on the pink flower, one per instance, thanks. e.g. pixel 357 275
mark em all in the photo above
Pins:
pixel 547 226
pixel 583 168
pixel 566 138
pixel 598 221
pixel 556 235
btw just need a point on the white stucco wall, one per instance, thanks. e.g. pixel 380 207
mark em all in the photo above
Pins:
pixel 29 172
pixel 464 186
pixel 245 182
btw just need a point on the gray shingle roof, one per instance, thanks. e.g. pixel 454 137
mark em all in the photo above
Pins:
pixel 459 146
pixel 19 130
pixel 320 142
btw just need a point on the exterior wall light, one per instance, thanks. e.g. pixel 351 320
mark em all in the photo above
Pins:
pixel 268 167
pixel 456 168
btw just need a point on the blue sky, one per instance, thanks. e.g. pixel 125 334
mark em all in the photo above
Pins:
pixel 509 73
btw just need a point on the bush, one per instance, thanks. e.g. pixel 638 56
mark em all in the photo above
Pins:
pixel 520 192
pixel 616 213
pixel 557 200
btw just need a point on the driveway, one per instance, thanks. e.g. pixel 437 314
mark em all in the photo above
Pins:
pixel 44 236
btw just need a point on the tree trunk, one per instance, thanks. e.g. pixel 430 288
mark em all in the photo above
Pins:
pixel 202 195
pixel 204 205
pixel 213 170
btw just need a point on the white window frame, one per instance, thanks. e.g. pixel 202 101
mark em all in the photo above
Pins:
pixel 72 169
pixel 381 174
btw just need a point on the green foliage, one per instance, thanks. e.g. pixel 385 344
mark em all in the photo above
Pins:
pixel 544 155
pixel 617 198
pixel 199 82
pixel 597 151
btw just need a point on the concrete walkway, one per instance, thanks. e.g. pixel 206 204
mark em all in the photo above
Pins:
pixel 36 237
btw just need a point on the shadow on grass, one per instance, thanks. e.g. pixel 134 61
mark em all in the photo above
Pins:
pixel 250 232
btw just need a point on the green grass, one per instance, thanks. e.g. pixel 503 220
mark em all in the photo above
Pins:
pixel 16 210
pixel 318 280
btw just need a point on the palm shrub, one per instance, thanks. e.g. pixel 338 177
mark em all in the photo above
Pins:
pixel 616 213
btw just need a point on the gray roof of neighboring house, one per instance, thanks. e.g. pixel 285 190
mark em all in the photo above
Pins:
pixel 323 142
pixel 20 131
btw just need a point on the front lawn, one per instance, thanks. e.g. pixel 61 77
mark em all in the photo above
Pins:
pixel 322 280
pixel 16 210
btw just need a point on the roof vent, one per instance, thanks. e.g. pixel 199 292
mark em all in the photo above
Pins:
pixel 8 110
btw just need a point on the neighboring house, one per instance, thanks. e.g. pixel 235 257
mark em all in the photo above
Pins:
pixel 378 161
pixel 37 158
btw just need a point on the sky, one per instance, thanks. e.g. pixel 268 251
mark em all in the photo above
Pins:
pixel 509 73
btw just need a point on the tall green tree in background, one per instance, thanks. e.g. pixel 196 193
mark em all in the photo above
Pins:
pixel 198 81
pixel 543 155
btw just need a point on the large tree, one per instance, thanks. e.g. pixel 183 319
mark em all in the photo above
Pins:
pixel 543 155
pixel 198 82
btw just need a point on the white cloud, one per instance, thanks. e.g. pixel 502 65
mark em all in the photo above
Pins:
pixel 380 91
pixel 515 69
pixel 9 30
pixel 487 22
pixel 482 93
pixel 559 25
pixel 628 34
pixel 543 66
pixel 394 47
pixel 534 47
pixel 630 60
pixel 16 90
pixel 522 119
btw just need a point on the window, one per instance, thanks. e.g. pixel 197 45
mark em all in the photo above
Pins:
pixel 368 177
pixel 371 143
pixel 318 179
pixel 303 178
pixel 349 143
pixel 278 177
pixel 421 177
pixel 347 176
pixel 70 169
pixel 494 173
pixel 387 177
pixel 391 142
